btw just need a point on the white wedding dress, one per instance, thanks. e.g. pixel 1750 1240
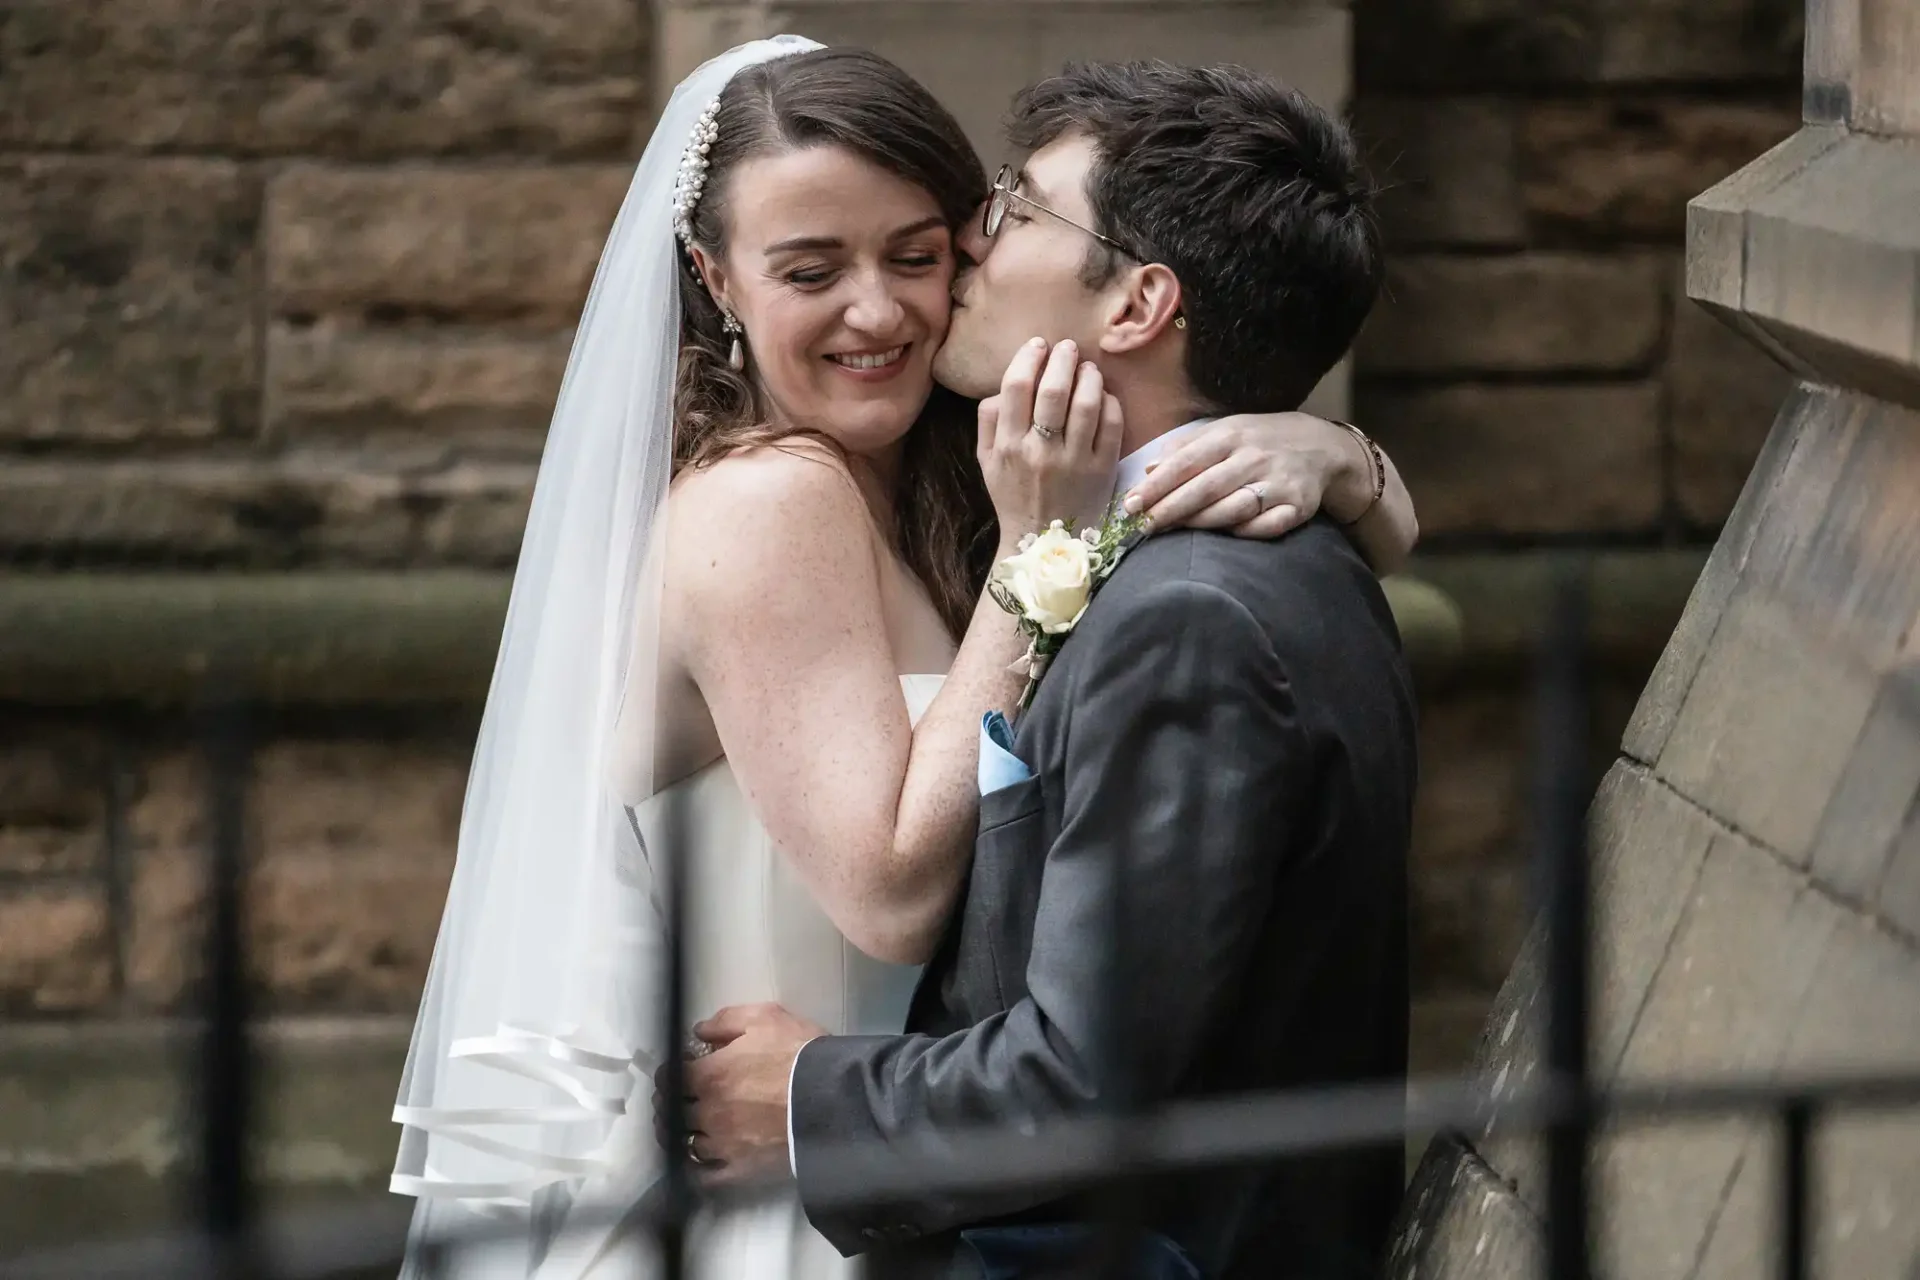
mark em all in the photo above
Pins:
pixel 755 934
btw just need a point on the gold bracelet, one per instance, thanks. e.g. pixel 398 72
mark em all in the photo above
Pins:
pixel 1376 467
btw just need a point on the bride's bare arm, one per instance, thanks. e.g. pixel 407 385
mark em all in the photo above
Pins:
pixel 775 578
pixel 1306 464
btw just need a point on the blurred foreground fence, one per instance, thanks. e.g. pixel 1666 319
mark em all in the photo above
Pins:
pixel 1101 1155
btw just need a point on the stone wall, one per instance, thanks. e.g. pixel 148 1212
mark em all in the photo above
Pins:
pixel 289 285
pixel 1536 368
pixel 280 285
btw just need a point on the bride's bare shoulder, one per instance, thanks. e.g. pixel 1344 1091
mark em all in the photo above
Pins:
pixel 770 514
pixel 777 481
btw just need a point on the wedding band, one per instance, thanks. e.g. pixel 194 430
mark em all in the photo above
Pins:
pixel 1046 432
pixel 691 1153
pixel 1259 491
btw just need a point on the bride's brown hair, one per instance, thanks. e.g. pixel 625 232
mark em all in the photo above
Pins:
pixel 862 103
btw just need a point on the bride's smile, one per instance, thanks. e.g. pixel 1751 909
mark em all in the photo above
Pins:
pixel 874 366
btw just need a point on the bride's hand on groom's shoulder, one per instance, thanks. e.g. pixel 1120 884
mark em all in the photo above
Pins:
pixel 1049 442
pixel 1258 475
pixel 737 1094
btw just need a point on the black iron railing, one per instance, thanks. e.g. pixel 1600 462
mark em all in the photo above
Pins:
pixel 1106 1154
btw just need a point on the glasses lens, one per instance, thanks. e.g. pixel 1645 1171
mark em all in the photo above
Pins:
pixel 997 200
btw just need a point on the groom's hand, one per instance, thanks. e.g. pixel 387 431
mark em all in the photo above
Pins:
pixel 739 1091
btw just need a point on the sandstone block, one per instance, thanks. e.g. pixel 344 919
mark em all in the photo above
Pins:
pixel 353 844
pixel 56 950
pixel 1477 43
pixel 1647 846
pixel 171 74
pixel 427 392
pixel 1524 460
pixel 1472 44
pixel 1658 1190
pixel 1723 394
pixel 1723 1000
pixel 1460 1218
pixel 1731 985
pixel 1858 838
pixel 1524 313
pixel 1866 1164
pixel 1660 702
pixel 390 246
pixel 1837 541
pixel 343 77
pixel 1767 726
pixel 1743 41
pixel 1869 1164
pixel 125 300
pixel 52 800
pixel 305 510
pixel 1898 898
pixel 1448 169
pixel 473 513
pixel 1626 168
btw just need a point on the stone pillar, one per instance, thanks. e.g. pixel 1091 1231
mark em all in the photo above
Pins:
pixel 976 54
pixel 1757 845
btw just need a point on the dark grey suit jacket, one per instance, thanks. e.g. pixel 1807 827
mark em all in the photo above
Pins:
pixel 1236 719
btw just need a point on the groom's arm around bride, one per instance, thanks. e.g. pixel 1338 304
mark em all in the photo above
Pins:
pixel 1248 776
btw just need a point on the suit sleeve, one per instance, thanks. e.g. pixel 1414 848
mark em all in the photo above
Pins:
pixel 1183 757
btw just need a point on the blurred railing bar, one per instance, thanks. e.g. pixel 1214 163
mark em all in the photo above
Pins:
pixel 1561 879
pixel 1118 1206
pixel 1796 1131
pixel 1067 1153
pixel 676 1203
pixel 1256 1127
pixel 224 1104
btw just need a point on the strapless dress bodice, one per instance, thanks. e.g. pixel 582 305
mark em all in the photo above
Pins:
pixel 754 929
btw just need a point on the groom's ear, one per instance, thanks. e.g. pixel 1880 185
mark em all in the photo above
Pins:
pixel 1143 304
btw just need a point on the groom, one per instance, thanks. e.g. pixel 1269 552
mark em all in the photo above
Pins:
pixel 1231 718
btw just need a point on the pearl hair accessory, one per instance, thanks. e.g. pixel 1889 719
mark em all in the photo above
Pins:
pixel 692 178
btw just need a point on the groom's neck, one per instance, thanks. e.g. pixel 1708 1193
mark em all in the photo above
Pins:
pixel 1151 410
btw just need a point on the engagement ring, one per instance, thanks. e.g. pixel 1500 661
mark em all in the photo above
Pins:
pixel 1046 432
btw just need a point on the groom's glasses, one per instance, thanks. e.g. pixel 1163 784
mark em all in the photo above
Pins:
pixel 1006 189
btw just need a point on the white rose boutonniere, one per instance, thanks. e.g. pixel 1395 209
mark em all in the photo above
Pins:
pixel 1051 579
pixel 1048 584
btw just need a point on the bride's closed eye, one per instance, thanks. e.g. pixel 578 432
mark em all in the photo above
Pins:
pixel 808 277
pixel 820 277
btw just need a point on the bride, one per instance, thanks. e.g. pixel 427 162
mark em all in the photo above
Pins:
pixel 751 591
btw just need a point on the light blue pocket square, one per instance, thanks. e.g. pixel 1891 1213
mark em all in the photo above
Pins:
pixel 999 767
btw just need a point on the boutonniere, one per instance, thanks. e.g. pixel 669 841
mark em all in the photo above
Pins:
pixel 1053 578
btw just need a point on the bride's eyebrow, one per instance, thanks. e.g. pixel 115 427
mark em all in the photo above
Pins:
pixel 801 243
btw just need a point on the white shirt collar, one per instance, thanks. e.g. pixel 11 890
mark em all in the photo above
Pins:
pixel 1133 467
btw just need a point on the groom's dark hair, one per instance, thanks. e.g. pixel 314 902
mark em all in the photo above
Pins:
pixel 1250 192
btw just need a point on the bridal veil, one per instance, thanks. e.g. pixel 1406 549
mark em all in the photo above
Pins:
pixel 544 996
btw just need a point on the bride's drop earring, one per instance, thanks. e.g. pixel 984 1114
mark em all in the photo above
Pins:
pixel 737 357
